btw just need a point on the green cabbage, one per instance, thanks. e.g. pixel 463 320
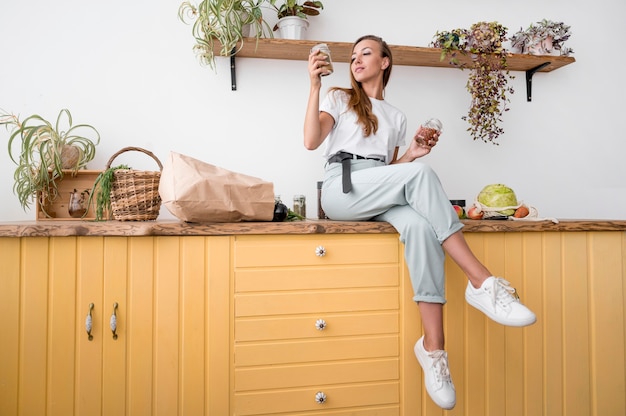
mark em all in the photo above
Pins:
pixel 498 195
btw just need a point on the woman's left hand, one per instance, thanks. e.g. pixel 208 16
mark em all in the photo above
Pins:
pixel 420 146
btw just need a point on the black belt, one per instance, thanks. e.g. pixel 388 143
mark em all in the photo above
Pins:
pixel 344 158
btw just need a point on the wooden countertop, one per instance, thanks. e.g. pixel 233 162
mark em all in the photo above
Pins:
pixel 178 228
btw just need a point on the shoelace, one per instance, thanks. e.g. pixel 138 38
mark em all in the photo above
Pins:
pixel 503 291
pixel 440 365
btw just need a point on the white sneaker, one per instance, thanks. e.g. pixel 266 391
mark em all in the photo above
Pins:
pixel 499 301
pixel 436 375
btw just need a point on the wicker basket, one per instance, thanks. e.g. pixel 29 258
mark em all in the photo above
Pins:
pixel 135 193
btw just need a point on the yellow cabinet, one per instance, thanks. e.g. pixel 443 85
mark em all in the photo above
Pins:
pixel 167 314
pixel 317 324
pixel 309 324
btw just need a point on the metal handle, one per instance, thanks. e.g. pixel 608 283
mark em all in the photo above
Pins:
pixel 320 251
pixel 320 324
pixel 113 322
pixel 89 323
pixel 320 397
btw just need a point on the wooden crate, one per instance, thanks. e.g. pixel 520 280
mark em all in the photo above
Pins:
pixel 79 181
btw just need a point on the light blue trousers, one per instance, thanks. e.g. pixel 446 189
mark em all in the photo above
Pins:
pixel 410 197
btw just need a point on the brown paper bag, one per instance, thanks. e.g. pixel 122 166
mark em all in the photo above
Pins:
pixel 196 191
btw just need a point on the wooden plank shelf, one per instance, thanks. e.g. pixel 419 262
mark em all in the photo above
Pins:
pixel 402 55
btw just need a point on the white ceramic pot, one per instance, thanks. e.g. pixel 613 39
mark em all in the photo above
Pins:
pixel 292 27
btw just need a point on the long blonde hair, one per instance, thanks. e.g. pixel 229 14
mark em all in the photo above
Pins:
pixel 358 101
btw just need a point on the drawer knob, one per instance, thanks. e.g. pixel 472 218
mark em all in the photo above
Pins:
pixel 320 324
pixel 320 251
pixel 320 397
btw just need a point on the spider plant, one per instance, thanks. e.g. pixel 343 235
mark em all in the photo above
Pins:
pixel 225 21
pixel 42 151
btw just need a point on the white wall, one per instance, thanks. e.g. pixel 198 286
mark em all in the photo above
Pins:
pixel 128 69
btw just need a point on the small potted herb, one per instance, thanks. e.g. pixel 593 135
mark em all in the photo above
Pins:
pixel 294 13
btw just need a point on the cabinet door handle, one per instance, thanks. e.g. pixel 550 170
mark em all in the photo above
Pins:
pixel 89 323
pixel 113 322
pixel 320 325
pixel 320 251
pixel 320 397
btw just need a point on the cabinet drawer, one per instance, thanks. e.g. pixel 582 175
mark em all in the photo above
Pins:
pixel 323 277
pixel 311 301
pixel 300 250
pixel 293 327
pixel 381 399
pixel 316 374
pixel 316 350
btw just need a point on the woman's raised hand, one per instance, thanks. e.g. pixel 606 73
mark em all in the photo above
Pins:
pixel 317 66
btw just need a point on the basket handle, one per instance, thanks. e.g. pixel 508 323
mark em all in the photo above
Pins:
pixel 139 149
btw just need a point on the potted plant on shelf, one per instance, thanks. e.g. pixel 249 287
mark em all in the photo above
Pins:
pixel 227 21
pixel 292 17
pixel 43 152
pixel 488 78
pixel 542 38
pixel 451 42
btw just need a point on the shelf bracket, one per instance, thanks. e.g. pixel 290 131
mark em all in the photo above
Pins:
pixel 529 79
pixel 233 76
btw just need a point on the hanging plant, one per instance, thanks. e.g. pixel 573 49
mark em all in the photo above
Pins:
pixel 102 191
pixel 229 22
pixel 488 78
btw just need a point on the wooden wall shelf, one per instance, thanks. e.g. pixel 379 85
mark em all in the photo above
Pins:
pixel 402 55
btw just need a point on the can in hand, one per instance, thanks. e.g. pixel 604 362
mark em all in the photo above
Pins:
pixel 323 49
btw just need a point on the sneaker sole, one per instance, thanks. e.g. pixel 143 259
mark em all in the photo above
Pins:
pixel 497 319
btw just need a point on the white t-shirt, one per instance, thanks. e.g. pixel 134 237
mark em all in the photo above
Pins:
pixel 347 134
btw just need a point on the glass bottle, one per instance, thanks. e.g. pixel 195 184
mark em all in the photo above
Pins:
pixel 299 205
pixel 320 211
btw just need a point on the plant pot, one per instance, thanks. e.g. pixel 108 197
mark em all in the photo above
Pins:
pixel 70 155
pixel 292 27
pixel 538 46
pixel 247 28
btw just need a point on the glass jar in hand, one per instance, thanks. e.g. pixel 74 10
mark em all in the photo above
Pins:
pixel 429 128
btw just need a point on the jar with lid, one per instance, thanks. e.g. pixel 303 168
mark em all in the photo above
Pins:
pixel 299 205
pixel 429 128
pixel 323 49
